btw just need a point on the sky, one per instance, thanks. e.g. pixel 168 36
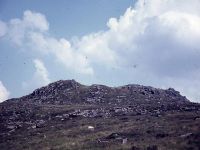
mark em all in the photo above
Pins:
pixel 115 42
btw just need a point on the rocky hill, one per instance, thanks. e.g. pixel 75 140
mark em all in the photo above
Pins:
pixel 68 115
pixel 72 92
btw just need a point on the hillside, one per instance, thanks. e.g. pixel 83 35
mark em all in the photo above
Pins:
pixel 68 115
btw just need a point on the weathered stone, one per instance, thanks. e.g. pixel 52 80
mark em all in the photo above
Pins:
pixel 40 123
pixel 152 147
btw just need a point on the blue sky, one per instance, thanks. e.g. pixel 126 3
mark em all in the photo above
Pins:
pixel 68 18
pixel 113 42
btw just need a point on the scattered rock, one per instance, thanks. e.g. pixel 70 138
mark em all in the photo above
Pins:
pixel 135 148
pixel 11 127
pixel 114 136
pixel 91 128
pixel 161 135
pixel 40 123
pixel 34 126
pixel 64 104
pixel 152 147
pixel 186 135
pixel 124 141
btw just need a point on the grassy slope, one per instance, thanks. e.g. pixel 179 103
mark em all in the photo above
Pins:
pixel 142 131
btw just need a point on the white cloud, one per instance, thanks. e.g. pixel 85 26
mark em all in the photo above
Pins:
pixel 3 28
pixel 160 36
pixel 31 32
pixel 4 93
pixel 41 73
pixel 63 52
pixel 40 77
pixel 19 29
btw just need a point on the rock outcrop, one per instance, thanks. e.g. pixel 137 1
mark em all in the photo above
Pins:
pixel 98 116
pixel 72 92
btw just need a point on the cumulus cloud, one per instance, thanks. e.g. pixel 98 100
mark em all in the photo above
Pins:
pixel 4 93
pixel 63 52
pixel 159 37
pixel 18 29
pixel 40 77
pixel 32 32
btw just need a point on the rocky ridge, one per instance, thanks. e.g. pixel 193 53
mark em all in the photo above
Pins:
pixel 107 116
pixel 72 92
